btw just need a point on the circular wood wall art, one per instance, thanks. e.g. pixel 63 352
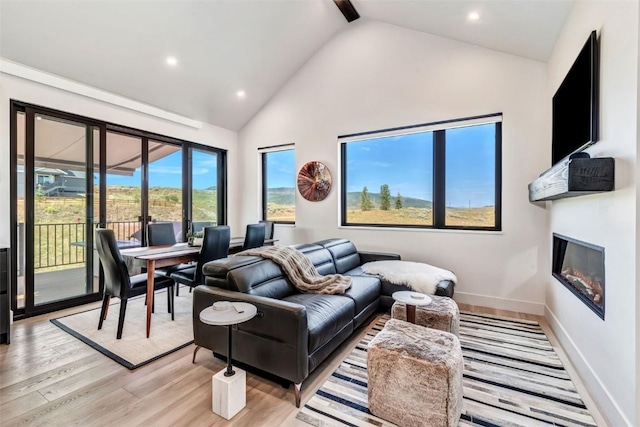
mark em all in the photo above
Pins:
pixel 314 181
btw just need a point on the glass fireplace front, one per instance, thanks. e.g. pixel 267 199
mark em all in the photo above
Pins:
pixel 580 267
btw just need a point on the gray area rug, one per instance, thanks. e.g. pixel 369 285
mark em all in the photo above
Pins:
pixel 134 349
pixel 512 377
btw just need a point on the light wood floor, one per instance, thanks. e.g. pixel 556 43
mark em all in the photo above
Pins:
pixel 49 378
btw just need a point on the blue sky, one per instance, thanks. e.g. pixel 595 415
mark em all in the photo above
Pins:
pixel 281 169
pixel 470 166
pixel 405 163
pixel 167 172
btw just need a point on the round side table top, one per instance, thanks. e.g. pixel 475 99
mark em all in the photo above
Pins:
pixel 225 313
pixel 412 298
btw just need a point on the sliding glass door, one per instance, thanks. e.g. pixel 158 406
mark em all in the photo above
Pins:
pixel 165 185
pixel 143 185
pixel 53 233
pixel 123 192
pixel 71 174
pixel 62 210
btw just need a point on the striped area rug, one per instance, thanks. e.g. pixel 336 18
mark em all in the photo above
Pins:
pixel 512 377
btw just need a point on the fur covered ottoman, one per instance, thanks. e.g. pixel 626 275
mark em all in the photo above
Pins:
pixel 415 376
pixel 442 314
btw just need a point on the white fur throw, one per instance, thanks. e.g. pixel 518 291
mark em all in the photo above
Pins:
pixel 418 276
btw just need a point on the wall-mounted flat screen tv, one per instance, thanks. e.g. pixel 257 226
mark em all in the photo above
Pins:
pixel 575 104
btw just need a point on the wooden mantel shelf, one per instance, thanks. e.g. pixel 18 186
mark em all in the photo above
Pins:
pixel 575 177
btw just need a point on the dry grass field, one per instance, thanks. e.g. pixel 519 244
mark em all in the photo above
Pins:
pixel 459 217
pixel 123 204
pixel 404 216
pixel 283 213
pixel 474 217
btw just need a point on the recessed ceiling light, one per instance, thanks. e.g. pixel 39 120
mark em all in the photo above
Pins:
pixel 172 60
pixel 38 117
pixel 473 16
pixel 241 94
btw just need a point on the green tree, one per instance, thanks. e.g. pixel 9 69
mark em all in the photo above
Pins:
pixel 398 201
pixel 385 197
pixel 365 200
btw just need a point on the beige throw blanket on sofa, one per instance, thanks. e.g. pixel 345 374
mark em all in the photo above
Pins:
pixel 301 271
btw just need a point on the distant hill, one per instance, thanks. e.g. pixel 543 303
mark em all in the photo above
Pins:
pixel 286 196
pixel 353 201
pixel 282 195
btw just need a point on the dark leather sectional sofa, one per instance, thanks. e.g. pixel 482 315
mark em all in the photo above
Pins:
pixel 293 332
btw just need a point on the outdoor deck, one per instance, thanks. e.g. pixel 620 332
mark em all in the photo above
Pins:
pixel 58 285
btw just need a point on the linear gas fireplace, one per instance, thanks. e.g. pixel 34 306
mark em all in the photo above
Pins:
pixel 580 267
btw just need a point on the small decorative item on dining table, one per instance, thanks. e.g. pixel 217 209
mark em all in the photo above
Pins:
pixel 314 181
pixel 195 239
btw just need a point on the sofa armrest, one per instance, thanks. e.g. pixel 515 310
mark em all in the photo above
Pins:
pixel 280 328
pixel 366 256
pixel 444 288
pixel 281 320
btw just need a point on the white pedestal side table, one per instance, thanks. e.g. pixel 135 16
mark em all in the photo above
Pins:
pixel 411 300
pixel 228 387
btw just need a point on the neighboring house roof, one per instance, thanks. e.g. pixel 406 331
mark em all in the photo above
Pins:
pixel 59 172
pixel 49 171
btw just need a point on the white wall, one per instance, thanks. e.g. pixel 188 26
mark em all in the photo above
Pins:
pixel 604 352
pixel 374 76
pixel 24 90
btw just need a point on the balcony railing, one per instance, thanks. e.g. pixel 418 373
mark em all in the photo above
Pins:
pixel 57 245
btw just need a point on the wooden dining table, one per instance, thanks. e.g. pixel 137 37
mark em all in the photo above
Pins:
pixel 152 257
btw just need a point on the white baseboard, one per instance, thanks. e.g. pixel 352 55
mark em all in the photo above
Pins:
pixel 500 303
pixel 597 390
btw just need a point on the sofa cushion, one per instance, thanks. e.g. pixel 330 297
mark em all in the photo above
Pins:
pixel 326 315
pixel 344 253
pixel 216 271
pixel 364 290
pixel 263 278
pixel 319 257
pixel 358 272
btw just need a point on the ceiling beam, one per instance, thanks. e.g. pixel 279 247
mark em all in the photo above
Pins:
pixel 350 13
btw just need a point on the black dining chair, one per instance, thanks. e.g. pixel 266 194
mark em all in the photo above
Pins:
pixel 160 234
pixel 215 245
pixel 117 281
pixel 268 228
pixel 254 237
pixel 197 226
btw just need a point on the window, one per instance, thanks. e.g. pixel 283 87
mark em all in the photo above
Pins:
pixel 279 186
pixel 390 180
pixel 439 175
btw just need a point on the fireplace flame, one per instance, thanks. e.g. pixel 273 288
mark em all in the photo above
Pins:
pixel 592 286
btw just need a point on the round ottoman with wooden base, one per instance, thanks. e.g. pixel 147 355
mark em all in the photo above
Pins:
pixel 415 376
pixel 442 314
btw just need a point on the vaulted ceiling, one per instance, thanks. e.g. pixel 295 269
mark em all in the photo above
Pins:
pixel 225 46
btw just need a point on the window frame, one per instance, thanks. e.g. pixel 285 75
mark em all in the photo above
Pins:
pixel 439 170
pixel 264 151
